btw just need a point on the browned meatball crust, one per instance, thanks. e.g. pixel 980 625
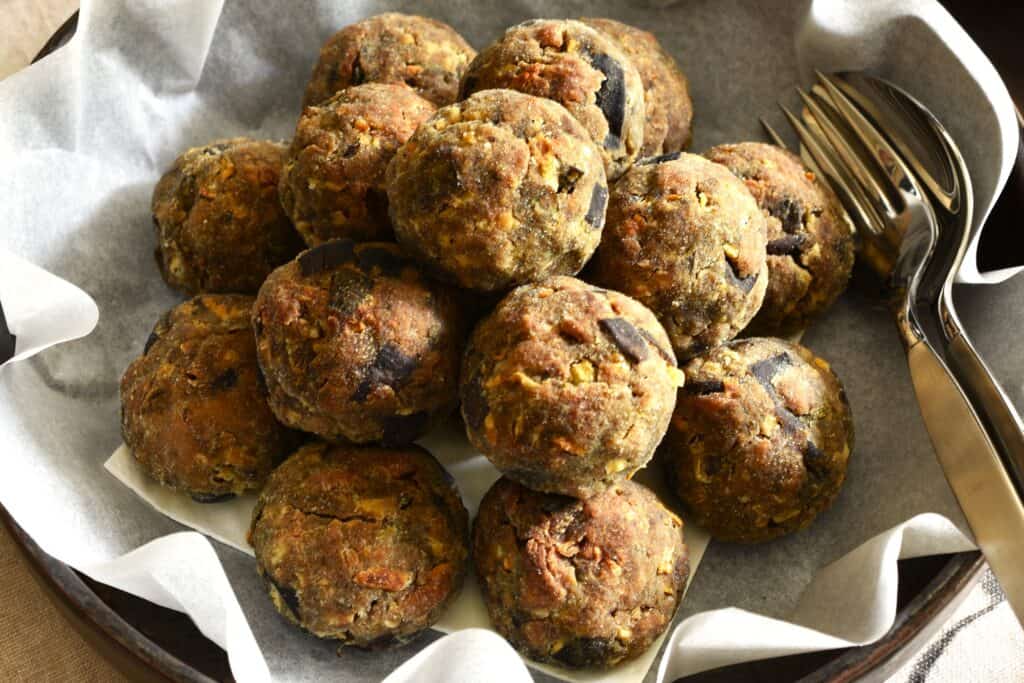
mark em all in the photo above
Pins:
pixel 357 345
pixel 332 184
pixel 667 103
pixel 760 439
pixel 578 67
pixel 498 190
pixel 193 406
pixel 581 583
pixel 810 246
pixel 568 388
pixel 425 54
pixel 219 223
pixel 367 546
pixel 685 237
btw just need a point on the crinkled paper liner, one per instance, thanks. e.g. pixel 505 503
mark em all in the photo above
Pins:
pixel 85 134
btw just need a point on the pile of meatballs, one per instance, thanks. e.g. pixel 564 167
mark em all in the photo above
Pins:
pixel 413 250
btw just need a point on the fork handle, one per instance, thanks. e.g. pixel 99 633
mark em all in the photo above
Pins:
pixel 974 470
pixel 990 400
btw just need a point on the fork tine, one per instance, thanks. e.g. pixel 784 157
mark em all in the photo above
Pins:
pixel 873 190
pixel 875 249
pixel 874 182
pixel 823 101
pixel 775 138
pixel 879 237
pixel 804 156
pixel 864 215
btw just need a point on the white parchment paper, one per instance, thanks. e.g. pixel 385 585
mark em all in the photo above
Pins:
pixel 85 134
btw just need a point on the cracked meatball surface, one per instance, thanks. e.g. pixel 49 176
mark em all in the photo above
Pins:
pixel 498 190
pixel 193 406
pixel 685 237
pixel 667 104
pixel 425 54
pixel 357 344
pixel 580 68
pixel 332 184
pixel 219 222
pixel 579 583
pixel 810 246
pixel 568 388
pixel 760 439
pixel 367 546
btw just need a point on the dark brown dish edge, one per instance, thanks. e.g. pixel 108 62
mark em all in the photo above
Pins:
pixel 126 648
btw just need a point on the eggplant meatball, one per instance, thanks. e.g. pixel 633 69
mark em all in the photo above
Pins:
pixel 357 345
pixel 581 583
pixel 332 185
pixel 425 54
pixel 667 103
pixel 498 190
pixel 194 407
pixel 686 238
pixel 367 546
pixel 568 388
pixel 578 67
pixel 219 223
pixel 810 246
pixel 760 439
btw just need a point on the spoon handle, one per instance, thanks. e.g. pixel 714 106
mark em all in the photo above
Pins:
pixel 994 407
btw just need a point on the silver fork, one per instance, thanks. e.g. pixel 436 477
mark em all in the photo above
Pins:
pixel 940 167
pixel 866 137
